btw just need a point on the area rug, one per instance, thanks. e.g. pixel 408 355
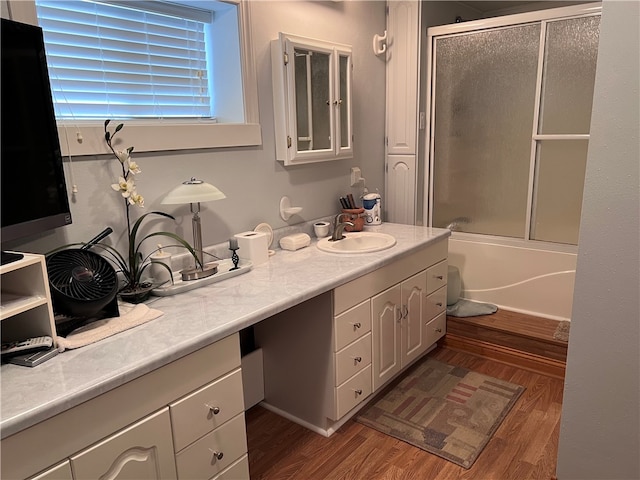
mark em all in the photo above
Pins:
pixel 562 331
pixel 449 411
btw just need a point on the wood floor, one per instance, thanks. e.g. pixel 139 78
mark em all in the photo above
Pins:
pixel 523 448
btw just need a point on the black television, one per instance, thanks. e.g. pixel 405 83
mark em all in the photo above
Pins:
pixel 33 190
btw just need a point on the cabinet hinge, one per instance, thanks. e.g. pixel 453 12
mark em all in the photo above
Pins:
pixel 286 58
pixel 288 141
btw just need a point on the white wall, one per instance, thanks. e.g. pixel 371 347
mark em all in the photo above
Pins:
pixel 600 430
pixel 250 177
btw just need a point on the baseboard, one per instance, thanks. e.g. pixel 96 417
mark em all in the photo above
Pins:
pixel 510 356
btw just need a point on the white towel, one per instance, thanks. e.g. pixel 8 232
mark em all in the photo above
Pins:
pixel 130 316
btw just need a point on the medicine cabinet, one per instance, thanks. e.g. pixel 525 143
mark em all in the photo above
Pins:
pixel 311 99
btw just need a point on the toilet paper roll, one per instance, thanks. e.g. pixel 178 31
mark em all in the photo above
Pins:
pixel 253 246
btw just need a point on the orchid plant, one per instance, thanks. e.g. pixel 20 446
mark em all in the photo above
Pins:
pixel 134 264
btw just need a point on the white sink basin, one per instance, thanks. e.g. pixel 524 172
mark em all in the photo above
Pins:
pixel 358 242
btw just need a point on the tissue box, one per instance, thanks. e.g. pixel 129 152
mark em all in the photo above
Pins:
pixel 253 246
pixel 295 241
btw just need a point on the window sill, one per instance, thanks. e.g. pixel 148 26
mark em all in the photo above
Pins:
pixel 159 137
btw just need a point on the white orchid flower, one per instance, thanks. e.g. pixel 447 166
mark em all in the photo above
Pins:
pixel 134 168
pixel 123 156
pixel 136 199
pixel 125 187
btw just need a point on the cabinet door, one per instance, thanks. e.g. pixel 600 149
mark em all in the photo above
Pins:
pixel 311 99
pixel 402 76
pixel 414 313
pixel 142 451
pixel 400 189
pixel 385 309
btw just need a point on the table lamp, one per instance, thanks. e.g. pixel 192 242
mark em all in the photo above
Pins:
pixel 195 192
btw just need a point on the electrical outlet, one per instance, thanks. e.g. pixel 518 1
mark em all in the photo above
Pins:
pixel 356 175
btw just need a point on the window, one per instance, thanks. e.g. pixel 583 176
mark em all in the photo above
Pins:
pixel 184 69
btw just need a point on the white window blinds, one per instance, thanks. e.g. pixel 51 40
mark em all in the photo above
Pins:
pixel 126 59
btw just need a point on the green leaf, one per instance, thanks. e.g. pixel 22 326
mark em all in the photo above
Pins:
pixel 118 128
pixel 107 136
pixel 106 122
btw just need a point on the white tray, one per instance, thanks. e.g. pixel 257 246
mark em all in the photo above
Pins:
pixel 224 272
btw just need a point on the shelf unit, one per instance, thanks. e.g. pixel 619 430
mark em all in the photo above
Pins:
pixel 25 303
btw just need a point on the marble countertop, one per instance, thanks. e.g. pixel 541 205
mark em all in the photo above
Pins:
pixel 191 320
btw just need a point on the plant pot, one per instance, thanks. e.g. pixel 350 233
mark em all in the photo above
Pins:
pixel 136 295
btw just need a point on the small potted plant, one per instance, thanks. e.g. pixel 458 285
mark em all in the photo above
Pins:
pixel 132 266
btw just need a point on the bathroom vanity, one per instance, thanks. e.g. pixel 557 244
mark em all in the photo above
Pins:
pixel 164 400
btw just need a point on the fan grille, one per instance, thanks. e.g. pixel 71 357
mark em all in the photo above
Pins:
pixel 81 275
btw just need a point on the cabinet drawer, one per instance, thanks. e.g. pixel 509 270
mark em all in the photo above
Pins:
pixel 436 303
pixel 352 392
pixel 237 471
pixel 437 276
pixel 435 329
pixel 195 415
pixel 352 324
pixel 353 358
pixel 228 441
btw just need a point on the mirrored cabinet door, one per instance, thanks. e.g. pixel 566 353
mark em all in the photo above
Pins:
pixel 312 99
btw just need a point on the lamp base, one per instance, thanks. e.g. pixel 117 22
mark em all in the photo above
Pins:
pixel 196 273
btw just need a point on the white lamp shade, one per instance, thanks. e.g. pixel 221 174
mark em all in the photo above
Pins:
pixel 193 191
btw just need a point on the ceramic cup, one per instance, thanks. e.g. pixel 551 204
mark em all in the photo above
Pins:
pixel 321 229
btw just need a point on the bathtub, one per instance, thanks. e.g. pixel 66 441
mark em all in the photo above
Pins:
pixel 528 279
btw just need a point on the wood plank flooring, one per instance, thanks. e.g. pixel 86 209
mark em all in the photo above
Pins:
pixel 516 338
pixel 523 448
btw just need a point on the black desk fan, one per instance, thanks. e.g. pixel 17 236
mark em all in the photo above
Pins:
pixel 83 284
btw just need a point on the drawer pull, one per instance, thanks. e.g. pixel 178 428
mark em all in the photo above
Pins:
pixel 214 410
pixel 216 455
pixel 358 392
pixel 439 330
pixel 356 325
pixel 439 277
pixel 357 359
pixel 439 304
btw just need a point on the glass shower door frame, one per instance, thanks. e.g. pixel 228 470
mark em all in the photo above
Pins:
pixel 543 17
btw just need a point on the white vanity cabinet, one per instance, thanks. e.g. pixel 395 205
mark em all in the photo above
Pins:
pixel 323 358
pixel 161 425
pixel 398 320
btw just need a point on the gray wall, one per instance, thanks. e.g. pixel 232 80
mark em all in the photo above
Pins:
pixel 250 177
pixel 600 430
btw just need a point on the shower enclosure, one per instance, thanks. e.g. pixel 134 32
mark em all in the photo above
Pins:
pixel 510 108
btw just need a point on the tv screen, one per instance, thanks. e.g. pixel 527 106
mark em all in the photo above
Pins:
pixel 34 194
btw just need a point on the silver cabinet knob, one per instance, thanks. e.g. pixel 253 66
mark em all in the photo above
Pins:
pixel 439 277
pixel 439 330
pixel 216 455
pixel 356 325
pixel 214 410
pixel 357 359
pixel 358 392
pixel 439 304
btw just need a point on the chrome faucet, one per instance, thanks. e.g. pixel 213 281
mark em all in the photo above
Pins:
pixel 338 228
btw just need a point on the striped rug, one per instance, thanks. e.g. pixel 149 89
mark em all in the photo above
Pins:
pixel 449 411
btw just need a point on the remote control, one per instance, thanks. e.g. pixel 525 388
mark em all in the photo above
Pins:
pixel 28 345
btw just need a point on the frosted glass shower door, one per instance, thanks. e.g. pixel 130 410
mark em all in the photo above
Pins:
pixel 484 94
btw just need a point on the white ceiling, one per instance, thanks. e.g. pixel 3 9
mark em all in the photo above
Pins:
pixel 487 7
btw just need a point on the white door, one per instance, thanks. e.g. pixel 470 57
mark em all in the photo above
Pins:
pixel 400 185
